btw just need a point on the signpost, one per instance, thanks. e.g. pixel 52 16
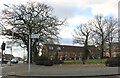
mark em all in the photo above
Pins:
pixel 31 36
pixel 35 35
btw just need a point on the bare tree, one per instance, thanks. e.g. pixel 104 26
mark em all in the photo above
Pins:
pixel 82 36
pixel 29 18
pixel 103 30
pixel 112 30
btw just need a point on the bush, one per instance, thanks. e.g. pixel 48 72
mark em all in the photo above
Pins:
pixel 113 61
pixel 43 61
pixel 57 61
pixel 48 63
pixel 40 60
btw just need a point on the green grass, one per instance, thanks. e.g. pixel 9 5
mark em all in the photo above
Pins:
pixel 72 61
pixel 96 61
pixel 89 61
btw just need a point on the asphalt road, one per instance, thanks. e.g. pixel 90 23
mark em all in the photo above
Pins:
pixel 60 70
pixel 115 76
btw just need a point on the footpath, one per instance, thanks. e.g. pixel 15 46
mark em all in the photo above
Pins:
pixel 59 70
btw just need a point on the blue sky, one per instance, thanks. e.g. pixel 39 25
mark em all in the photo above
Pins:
pixel 76 12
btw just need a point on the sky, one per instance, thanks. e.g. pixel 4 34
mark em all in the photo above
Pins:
pixel 76 12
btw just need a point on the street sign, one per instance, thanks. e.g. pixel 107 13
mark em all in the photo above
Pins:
pixel 35 35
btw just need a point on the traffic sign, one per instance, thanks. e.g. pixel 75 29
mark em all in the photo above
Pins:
pixel 35 35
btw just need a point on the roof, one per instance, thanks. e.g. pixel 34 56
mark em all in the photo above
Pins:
pixel 63 48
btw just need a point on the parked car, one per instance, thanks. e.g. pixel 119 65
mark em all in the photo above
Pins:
pixel 113 61
pixel 14 61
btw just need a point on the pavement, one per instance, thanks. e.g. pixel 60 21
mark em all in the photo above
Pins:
pixel 59 70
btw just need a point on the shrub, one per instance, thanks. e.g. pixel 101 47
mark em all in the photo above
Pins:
pixel 42 60
pixel 114 61
pixel 57 61
pixel 48 63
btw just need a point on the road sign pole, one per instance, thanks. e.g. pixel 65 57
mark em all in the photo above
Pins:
pixel 31 36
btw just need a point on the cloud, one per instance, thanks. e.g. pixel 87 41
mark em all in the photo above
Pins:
pixel 66 32
pixel 77 20
pixel 13 1
pixel 66 41
pixel 70 9
pixel 97 1
pixel 109 7
pixel 64 8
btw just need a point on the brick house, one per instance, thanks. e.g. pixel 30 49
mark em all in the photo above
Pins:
pixel 67 51
pixel 114 50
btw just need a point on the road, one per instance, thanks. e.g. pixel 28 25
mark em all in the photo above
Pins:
pixel 1 72
pixel 59 70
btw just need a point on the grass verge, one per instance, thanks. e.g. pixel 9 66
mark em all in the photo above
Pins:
pixel 89 61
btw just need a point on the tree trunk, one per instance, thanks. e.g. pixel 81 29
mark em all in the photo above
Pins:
pixel 85 51
pixel 56 55
pixel 110 50
pixel 102 50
